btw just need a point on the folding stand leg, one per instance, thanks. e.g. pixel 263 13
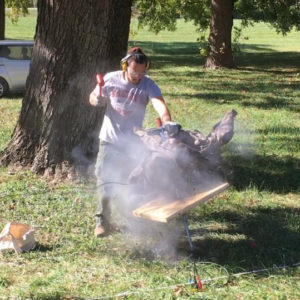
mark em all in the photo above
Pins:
pixel 197 282
pixel 186 226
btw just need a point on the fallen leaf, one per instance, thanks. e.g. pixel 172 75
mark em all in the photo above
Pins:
pixel 178 290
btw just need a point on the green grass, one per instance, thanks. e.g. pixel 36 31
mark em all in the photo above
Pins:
pixel 24 29
pixel 262 163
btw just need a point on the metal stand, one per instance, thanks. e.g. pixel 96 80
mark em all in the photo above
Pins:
pixel 197 282
pixel 186 226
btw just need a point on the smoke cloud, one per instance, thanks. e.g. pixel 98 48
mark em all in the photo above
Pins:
pixel 167 169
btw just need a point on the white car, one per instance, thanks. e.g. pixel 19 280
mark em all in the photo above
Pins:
pixel 15 57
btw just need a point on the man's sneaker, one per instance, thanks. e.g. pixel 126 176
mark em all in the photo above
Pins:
pixel 99 231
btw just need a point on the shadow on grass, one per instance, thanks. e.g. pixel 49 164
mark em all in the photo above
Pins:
pixel 273 103
pixel 270 173
pixel 254 75
pixel 265 61
pixel 13 96
pixel 249 238
pixel 43 248
pixel 266 102
pixel 268 236
pixel 187 54
pixel 282 130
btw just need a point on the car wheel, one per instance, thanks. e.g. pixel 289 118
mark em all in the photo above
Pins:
pixel 3 87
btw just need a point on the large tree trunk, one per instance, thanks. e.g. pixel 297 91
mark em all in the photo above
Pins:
pixel 57 127
pixel 2 20
pixel 221 22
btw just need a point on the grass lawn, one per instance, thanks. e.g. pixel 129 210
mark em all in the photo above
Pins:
pixel 254 225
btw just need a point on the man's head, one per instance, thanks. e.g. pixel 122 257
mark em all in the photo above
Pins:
pixel 135 64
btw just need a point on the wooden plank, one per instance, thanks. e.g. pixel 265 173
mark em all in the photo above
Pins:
pixel 161 211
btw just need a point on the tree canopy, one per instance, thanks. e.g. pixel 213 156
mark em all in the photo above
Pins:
pixel 159 15
pixel 284 15
pixel 17 7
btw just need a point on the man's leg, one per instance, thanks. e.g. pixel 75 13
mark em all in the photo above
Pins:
pixel 112 168
pixel 103 192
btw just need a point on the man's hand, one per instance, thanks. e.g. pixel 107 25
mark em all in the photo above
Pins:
pixel 95 100
pixel 172 128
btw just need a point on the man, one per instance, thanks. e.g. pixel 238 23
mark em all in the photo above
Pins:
pixel 126 94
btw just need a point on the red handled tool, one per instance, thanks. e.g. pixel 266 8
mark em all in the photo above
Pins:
pixel 100 82
pixel 158 122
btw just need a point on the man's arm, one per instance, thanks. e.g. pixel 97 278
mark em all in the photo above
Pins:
pixel 161 108
pixel 93 99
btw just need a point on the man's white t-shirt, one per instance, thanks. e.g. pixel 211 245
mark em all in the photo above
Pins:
pixel 126 105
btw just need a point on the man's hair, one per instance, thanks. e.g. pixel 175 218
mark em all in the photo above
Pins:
pixel 136 54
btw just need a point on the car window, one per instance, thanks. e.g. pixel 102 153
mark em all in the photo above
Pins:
pixel 16 52
pixel 4 51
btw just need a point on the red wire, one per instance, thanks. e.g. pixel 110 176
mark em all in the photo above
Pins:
pixel 199 283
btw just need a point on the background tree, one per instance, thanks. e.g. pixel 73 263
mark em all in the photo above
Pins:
pixel 16 8
pixel 2 20
pixel 57 128
pixel 284 15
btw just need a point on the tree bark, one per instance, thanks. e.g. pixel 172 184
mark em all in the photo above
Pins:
pixel 2 20
pixel 57 128
pixel 221 22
